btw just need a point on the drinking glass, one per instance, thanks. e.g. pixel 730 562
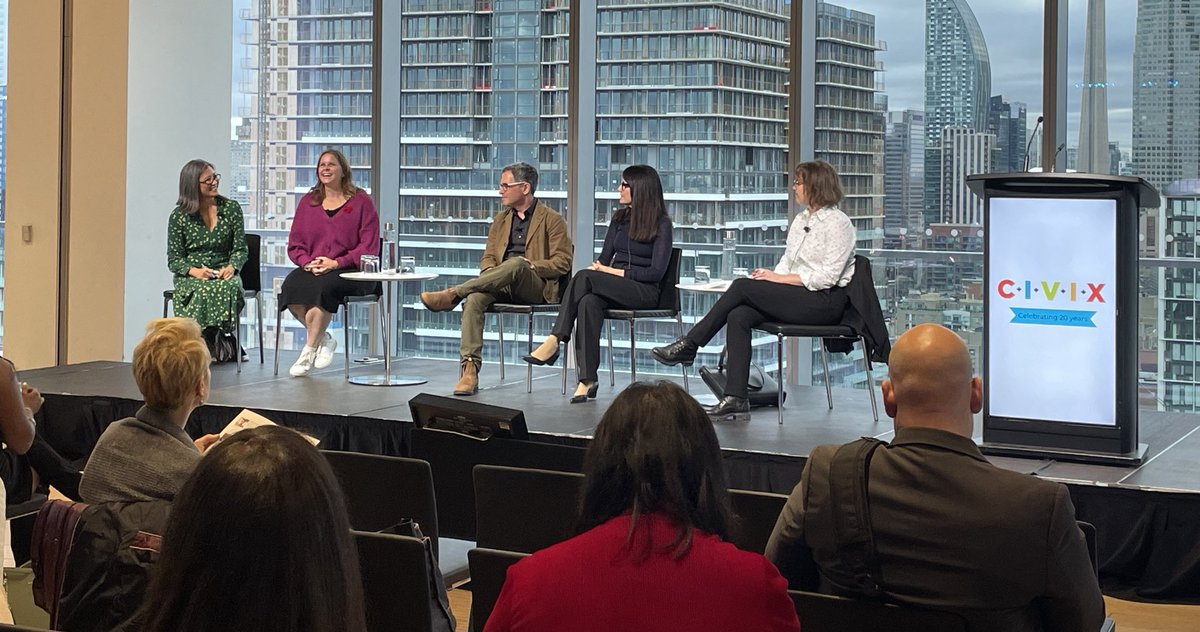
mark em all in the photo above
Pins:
pixel 369 264
pixel 408 265
pixel 703 274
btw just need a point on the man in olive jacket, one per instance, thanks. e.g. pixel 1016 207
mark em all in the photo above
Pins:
pixel 527 252
pixel 950 530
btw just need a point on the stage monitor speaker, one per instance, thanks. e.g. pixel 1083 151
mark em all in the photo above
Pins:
pixel 470 419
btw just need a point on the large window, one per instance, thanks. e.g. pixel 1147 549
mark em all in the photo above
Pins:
pixel 302 84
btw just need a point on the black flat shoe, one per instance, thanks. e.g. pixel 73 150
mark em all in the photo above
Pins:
pixel 730 408
pixel 547 362
pixel 591 394
pixel 682 351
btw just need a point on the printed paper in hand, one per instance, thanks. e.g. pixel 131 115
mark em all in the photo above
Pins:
pixel 250 419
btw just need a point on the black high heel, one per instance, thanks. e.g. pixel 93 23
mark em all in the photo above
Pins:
pixel 547 362
pixel 591 394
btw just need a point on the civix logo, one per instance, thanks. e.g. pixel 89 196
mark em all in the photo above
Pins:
pixel 1051 291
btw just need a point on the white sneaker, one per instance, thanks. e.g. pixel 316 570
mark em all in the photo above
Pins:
pixel 304 363
pixel 325 352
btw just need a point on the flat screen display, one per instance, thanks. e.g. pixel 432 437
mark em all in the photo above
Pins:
pixel 1051 317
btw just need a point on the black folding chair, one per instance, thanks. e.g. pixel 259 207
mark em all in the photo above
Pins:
pixel 500 309
pixel 381 491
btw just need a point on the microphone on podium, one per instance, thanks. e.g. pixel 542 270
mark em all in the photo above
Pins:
pixel 1029 144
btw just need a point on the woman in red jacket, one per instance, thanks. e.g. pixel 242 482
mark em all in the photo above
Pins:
pixel 652 553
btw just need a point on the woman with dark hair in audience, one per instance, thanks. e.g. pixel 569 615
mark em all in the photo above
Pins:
pixel 258 539
pixel 206 248
pixel 806 287
pixel 650 555
pixel 334 226
pixel 634 259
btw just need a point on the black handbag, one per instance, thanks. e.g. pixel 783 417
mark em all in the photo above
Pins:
pixel 222 346
pixel 762 389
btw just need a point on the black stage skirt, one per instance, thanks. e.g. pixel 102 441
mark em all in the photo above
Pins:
pixel 302 287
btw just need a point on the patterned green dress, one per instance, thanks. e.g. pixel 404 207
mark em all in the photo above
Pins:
pixel 190 244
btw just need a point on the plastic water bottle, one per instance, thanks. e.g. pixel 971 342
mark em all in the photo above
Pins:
pixel 388 256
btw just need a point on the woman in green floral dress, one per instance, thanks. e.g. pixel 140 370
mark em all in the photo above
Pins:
pixel 206 249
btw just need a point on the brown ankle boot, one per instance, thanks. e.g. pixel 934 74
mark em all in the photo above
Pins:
pixel 442 301
pixel 468 384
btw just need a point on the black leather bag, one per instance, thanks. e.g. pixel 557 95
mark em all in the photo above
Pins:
pixel 762 389
pixel 221 345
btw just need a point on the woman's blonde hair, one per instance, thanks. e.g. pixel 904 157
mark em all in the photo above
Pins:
pixel 170 361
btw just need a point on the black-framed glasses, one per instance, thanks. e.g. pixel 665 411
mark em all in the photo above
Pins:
pixel 504 186
pixel 216 177
pixel 624 184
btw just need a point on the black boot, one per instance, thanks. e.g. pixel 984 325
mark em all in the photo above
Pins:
pixel 730 408
pixel 682 351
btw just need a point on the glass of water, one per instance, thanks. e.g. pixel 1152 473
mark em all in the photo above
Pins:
pixel 369 264
pixel 408 265
pixel 703 274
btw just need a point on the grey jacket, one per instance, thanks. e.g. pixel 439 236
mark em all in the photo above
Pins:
pixel 144 457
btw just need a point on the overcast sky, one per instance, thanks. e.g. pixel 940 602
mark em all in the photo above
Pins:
pixel 1013 31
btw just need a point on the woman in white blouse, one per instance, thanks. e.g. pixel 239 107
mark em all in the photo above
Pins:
pixel 807 287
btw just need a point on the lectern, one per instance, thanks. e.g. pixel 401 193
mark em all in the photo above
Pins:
pixel 1060 314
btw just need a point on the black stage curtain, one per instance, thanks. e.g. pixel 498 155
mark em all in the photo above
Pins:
pixel 1148 542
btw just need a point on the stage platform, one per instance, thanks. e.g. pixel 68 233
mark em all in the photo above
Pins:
pixel 1148 517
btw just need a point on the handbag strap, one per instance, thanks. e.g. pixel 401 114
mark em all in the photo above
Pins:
pixel 849 475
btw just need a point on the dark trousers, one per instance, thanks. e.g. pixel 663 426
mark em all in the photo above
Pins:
pixel 589 293
pixel 748 303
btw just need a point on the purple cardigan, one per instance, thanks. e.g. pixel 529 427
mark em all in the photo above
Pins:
pixel 348 235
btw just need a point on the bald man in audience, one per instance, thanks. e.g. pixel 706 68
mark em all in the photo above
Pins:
pixel 950 530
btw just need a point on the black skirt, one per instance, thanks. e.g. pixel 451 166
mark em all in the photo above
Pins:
pixel 326 291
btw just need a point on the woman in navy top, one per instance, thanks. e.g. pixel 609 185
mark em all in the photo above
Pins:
pixel 636 252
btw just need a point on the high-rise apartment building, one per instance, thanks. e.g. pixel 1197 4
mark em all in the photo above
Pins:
pixel 904 179
pixel 964 152
pixel 1006 121
pixel 849 127
pixel 958 85
pixel 1166 91
pixel 1178 342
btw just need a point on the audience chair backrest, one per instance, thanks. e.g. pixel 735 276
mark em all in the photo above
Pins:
pixel 395 575
pixel 382 491
pixel 668 294
pixel 755 513
pixel 523 509
pixel 252 272
pixel 828 613
pixel 489 568
pixel 453 457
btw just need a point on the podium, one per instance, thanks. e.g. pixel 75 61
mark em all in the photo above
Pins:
pixel 1060 315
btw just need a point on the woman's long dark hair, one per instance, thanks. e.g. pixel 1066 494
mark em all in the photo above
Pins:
pixel 647 207
pixel 655 451
pixel 258 539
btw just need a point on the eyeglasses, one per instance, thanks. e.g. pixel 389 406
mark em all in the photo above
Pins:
pixel 504 186
pixel 216 177
pixel 797 183
pixel 624 184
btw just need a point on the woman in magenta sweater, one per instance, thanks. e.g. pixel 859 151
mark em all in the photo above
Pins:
pixel 651 555
pixel 334 226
